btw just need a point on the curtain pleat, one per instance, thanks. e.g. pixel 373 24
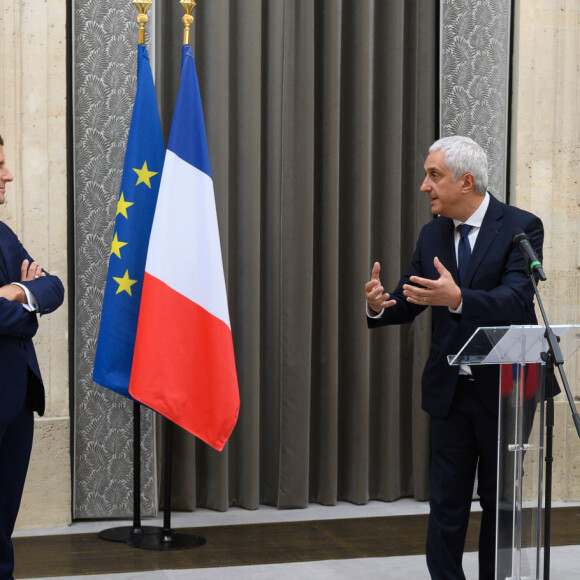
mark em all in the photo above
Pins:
pixel 296 231
pixel 323 447
pixel 319 114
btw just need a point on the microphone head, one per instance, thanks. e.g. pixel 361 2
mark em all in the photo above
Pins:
pixel 518 236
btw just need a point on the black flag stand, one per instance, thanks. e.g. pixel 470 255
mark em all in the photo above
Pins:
pixel 166 539
pixel 124 533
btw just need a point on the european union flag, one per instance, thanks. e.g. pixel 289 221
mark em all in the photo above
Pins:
pixel 184 366
pixel 142 169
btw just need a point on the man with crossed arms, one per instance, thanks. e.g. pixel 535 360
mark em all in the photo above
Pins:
pixel 26 291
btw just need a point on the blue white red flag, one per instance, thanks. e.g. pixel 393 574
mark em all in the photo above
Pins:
pixel 184 365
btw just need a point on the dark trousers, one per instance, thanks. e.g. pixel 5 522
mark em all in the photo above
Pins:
pixel 461 443
pixel 15 447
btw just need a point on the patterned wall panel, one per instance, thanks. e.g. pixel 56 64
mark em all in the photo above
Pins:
pixel 104 83
pixel 475 52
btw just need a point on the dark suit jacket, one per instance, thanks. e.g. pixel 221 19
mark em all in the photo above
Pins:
pixel 19 371
pixel 497 292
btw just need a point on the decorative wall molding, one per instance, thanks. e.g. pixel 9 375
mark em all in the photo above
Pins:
pixel 104 83
pixel 475 53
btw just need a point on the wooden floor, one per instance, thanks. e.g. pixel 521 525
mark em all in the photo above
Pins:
pixel 237 545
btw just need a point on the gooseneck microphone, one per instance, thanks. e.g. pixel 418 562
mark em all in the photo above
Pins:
pixel 521 241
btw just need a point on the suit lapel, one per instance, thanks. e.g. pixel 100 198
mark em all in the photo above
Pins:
pixel 446 253
pixel 4 278
pixel 490 227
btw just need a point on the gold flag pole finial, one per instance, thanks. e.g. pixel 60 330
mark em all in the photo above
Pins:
pixel 188 6
pixel 142 18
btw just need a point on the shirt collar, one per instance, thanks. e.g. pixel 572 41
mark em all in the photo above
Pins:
pixel 476 218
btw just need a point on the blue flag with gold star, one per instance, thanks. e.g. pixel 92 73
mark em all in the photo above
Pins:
pixel 142 168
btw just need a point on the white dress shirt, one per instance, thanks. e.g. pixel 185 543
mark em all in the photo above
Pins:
pixel 475 221
pixel 32 304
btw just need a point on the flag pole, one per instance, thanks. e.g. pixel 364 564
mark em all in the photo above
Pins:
pixel 124 533
pixel 167 539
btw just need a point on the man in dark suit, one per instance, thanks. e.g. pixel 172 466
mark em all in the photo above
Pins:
pixel 25 292
pixel 470 276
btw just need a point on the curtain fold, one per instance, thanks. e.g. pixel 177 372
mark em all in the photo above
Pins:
pixel 323 448
pixel 319 114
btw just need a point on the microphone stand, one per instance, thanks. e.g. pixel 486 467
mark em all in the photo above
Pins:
pixel 553 357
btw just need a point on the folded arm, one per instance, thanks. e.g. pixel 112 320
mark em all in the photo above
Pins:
pixel 19 300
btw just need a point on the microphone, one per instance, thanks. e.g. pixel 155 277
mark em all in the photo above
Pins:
pixel 521 241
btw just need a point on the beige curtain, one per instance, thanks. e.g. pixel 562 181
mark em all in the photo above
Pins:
pixel 319 114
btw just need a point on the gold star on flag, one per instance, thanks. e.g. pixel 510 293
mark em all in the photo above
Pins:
pixel 116 246
pixel 125 283
pixel 144 175
pixel 122 206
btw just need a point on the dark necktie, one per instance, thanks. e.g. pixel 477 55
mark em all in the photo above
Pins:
pixel 463 251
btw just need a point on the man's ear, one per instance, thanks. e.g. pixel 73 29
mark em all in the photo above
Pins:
pixel 468 181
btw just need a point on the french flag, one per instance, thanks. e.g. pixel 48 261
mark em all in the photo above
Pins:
pixel 184 366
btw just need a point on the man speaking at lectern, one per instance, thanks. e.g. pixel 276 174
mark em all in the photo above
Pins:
pixel 467 270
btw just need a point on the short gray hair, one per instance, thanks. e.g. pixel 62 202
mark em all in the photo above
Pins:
pixel 463 155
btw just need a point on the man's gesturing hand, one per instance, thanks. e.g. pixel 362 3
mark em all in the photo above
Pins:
pixel 377 299
pixel 441 292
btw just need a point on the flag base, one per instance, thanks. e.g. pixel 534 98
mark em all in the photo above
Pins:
pixel 166 541
pixel 125 533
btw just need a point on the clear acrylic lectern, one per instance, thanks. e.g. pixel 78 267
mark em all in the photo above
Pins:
pixel 518 350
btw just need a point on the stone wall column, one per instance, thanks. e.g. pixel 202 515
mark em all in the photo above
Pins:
pixel 546 172
pixel 33 125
